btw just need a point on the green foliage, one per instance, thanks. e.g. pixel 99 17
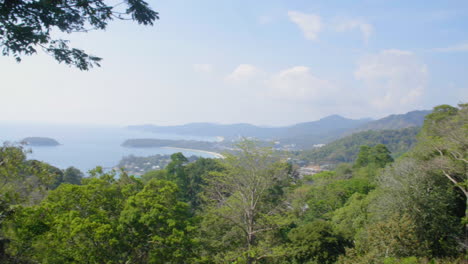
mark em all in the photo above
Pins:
pixel 104 221
pixel 411 188
pixel 315 242
pixel 347 149
pixel 197 174
pixel 329 191
pixel 444 144
pixel 156 225
pixel 394 237
pixel 422 199
pixel 363 157
pixel 244 201
pixel 154 174
pixel 79 224
pixel 353 216
pixel 440 113
pixel 26 26
pixel 72 175
pixel 377 156
pixel 189 177
pixel 326 197
pixel 176 167
pixel 380 156
pixel 22 180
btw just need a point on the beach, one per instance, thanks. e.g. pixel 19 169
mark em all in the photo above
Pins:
pixel 215 154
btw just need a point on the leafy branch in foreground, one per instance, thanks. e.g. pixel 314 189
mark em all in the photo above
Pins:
pixel 27 25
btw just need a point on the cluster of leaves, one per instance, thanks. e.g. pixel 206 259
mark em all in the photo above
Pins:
pixel 26 25
pixel 104 220
pixel 26 182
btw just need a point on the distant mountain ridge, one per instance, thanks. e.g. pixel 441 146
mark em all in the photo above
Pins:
pixel 392 122
pixel 299 136
pixel 332 124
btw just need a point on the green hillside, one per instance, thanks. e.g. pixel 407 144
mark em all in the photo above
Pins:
pixel 346 149
pixel 392 122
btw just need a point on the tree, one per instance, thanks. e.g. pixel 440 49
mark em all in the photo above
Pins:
pixel 411 188
pixel 351 218
pixel 444 141
pixel 196 174
pixel 156 225
pixel 380 156
pixel 21 182
pixel 72 175
pixel 394 237
pixel 363 156
pixel 377 155
pixel 175 169
pixel 246 196
pixel 104 220
pixel 26 25
pixel 315 242
pixel 75 223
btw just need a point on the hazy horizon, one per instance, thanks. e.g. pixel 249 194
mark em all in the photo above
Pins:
pixel 84 124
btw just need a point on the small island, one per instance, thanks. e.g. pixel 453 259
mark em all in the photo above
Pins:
pixel 40 142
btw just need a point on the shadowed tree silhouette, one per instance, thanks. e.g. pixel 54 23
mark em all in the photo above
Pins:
pixel 27 25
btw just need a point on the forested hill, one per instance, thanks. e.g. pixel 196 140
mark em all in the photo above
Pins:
pixel 410 119
pixel 335 125
pixel 393 122
pixel 347 148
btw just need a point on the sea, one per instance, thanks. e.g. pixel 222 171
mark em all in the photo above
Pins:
pixel 85 146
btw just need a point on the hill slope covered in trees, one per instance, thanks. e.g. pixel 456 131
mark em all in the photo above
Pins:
pixel 347 148
pixel 393 122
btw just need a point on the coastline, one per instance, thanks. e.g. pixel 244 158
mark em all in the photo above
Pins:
pixel 215 154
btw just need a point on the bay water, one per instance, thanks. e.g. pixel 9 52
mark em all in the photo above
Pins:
pixel 86 147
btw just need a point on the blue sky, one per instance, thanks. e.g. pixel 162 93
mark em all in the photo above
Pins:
pixel 262 62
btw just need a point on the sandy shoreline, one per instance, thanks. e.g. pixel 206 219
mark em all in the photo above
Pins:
pixel 215 154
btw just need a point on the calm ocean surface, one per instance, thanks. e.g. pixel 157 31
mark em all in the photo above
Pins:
pixel 86 147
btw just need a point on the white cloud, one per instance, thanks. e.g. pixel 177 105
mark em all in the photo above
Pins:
pixel 393 80
pixel 455 48
pixel 243 72
pixel 203 68
pixel 310 24
pixel 300 85
pixel 356 24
